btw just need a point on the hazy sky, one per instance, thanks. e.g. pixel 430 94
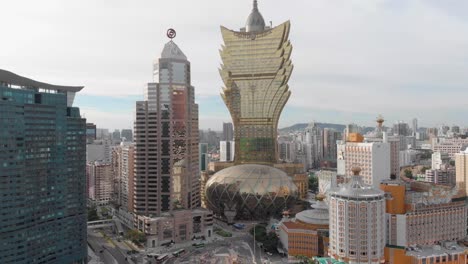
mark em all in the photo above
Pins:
pixel 354 59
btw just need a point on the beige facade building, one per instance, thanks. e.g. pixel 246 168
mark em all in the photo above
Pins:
pixel 451 146
pixel 307 233
pixel 357 222
pixel 423 223
pixel 461 173
pixel 100 182
pixel 373 158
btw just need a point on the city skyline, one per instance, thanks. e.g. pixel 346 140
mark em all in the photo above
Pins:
pixel 336 132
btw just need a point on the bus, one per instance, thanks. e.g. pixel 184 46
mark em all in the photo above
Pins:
pixel 162 258
pixel 198 245
pixel 178 252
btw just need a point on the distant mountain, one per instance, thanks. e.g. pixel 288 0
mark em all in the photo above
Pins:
pixel 302 127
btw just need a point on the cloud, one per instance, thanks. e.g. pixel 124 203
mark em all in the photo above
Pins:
pixel 107 119
pixel 353 58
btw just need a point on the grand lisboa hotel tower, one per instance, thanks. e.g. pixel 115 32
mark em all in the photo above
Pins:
pixel 255 71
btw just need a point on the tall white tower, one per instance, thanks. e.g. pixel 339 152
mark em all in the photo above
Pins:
pixel 357 222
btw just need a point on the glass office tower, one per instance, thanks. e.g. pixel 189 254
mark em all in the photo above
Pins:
pixel 42 173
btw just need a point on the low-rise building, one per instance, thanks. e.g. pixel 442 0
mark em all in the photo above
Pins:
pixel 420 218
pixel 307 233
pixel 176 227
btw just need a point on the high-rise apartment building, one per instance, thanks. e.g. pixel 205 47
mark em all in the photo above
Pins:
pixel 378 135
pixel 461 172
pixel 42 173
pixel 414 126
pixel 255 71
pixel 401 128
pixel 204 159
pixel 226 151
pixel 228 132
pixel 313 146
pixel 127 134
pixel 100 182
pixel 126 175
pixel 116 136
pixel 99 150
pixel 372 157
pixel 167 175
pixel 357 222
pixel 91 132
pixel 330 137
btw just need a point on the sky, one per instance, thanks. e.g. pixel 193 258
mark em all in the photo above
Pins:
pixel 353 59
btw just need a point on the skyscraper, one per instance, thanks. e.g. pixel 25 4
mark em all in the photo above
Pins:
pixel 374 159
pixel 42 173
pixel 204 159
pixel 91 133
pixel 415 126
pixel 255 71
pixel 167 175
pixel 127 134
pixel 116 136
pixel 226 151
pixel 228 132
pixel 461 172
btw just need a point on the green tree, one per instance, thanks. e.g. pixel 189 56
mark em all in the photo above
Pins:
pixel 270 241
pixel 136 236
pixel 424 169
pixel 313 183
pixel 452 163
pixel 409 173
pixel 260 232
pixel 304 259
pixel 92 214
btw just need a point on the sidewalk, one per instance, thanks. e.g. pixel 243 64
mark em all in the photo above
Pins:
pixel 94 259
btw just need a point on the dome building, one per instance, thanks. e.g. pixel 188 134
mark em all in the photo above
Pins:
pixel 250 192
pixel 357 222
pixel 307 233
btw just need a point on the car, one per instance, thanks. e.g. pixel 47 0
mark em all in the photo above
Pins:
pixel 269 254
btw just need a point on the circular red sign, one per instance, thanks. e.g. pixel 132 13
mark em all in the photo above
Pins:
pixel 171 33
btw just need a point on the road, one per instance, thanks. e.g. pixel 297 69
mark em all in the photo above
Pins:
pixel 241 246
pixel 110 254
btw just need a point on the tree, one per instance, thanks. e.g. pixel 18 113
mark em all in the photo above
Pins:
pixel 452 163
pixel 304 259
pixel 424 169
pixel 260 232
pixel 409 173
pixel 136 236
pixel 313 183
pixel 270 241
pixel 92 214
